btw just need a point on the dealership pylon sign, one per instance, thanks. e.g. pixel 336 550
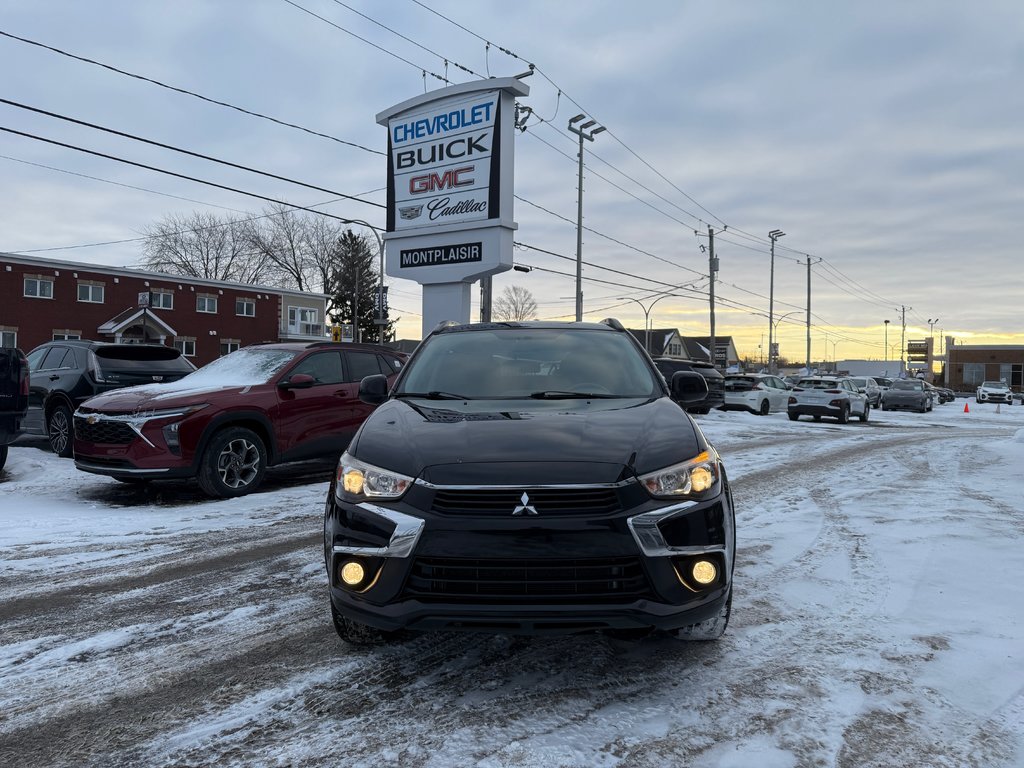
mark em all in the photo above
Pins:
pixel 450 191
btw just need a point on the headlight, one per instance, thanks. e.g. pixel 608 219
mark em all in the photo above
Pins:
pixel 693 479
pixel 357 479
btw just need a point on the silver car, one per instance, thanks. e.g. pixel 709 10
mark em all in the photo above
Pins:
pixel 869 387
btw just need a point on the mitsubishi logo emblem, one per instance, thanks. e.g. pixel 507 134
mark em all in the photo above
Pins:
pixel 524 508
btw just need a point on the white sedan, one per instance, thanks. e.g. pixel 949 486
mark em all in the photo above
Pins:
pixel 755 392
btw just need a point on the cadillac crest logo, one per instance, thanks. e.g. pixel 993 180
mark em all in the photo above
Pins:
pixel 410 211
pixel 524 508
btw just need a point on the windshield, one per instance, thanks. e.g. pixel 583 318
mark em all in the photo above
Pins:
pixel 993 384
pixel 529 362
pixel 908 384
pixel 739 384
pixel 817 384
pixel 242 368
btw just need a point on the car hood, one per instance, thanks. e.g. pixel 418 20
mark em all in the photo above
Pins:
pixel 158 397
pixel 519 441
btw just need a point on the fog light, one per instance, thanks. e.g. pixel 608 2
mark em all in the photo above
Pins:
pixel 704 572
pixel 352 573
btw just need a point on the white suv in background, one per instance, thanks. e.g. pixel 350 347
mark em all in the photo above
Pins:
pixel 994 392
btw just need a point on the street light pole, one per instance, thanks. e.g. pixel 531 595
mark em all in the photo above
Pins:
pixel 774 235
pixel 585 131
pixel 647 314
pixel 886 345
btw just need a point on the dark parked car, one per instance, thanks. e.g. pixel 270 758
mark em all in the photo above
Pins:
pixel 908 394
pixel 64 374
pixel 13 397
pixel 714 379
pixel 530 478
pixel 227 422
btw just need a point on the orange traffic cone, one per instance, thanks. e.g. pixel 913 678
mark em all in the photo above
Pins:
pixel 966 408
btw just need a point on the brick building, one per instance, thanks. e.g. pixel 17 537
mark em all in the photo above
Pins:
pixel 46 299
pixel 967 365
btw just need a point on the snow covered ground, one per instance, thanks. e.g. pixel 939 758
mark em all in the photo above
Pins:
pixel 877 622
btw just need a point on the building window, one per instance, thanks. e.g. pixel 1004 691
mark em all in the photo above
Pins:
pixel 974 374
pixel 207 304
pixel 65 335
pixel 39 287
pixel 162 299
pixel 304 320
pixel 245 307
pixel 186 345
pixel 91 293
pixel 8 337
pixel 227 346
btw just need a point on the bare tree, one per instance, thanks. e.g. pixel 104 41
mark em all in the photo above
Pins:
pixel 515 303
pixel 202 245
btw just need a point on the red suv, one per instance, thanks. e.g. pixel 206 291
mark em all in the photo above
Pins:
pixel 227 422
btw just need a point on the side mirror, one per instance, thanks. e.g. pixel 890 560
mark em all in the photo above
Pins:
pixel 373 390
pixel 688 387
pixel 298 381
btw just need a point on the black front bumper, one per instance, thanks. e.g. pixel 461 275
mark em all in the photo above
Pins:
pixel 539 574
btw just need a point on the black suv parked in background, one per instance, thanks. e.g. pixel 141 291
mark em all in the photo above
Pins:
pixel 530 477
pixel 712 376
pixel 66 373
pixel 13 397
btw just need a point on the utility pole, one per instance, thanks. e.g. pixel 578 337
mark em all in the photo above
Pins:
pixel 585 131
pixel 807 364
pixel 712 271
pixel 774 235
pixel 485 299
pixel 903 340
pixel 886 346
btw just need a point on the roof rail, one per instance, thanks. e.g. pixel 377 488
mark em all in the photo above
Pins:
pixel 445 324
pixel 611 322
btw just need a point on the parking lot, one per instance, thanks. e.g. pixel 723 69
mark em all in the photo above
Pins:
pixel 876 621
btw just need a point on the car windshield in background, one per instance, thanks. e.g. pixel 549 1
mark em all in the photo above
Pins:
pixel 501 363
pixel 993 384
pixel 816 384
pixel 908 384
pixel 242 368
pixel 126 358
pixel 739 384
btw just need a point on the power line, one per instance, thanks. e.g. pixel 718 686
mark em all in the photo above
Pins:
pixel 188 152
pixel 187 178
pixel 187 92
pixel 120 184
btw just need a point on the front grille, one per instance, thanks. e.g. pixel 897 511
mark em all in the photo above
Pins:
pixel 103 431
pixel 470 581
pixel 547 502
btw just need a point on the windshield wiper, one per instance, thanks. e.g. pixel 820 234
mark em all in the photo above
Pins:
pixel 558 394
pixel 434 395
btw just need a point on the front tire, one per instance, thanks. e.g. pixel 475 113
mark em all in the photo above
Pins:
pixel 710 629
pixel 233 464
pixel 3 456
pixel 354 633
pixel 60 432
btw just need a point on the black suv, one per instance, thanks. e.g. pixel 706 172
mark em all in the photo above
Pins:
pixel 530 477
pixel 712 376
pixel 66 373
pixel 13 397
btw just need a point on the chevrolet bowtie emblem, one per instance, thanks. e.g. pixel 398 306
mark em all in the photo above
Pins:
pixel 524 508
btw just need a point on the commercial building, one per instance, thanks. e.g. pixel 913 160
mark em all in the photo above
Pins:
pixel 45 299
pixel 967 365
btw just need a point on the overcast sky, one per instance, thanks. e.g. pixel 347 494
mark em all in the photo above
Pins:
pixel 885 139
